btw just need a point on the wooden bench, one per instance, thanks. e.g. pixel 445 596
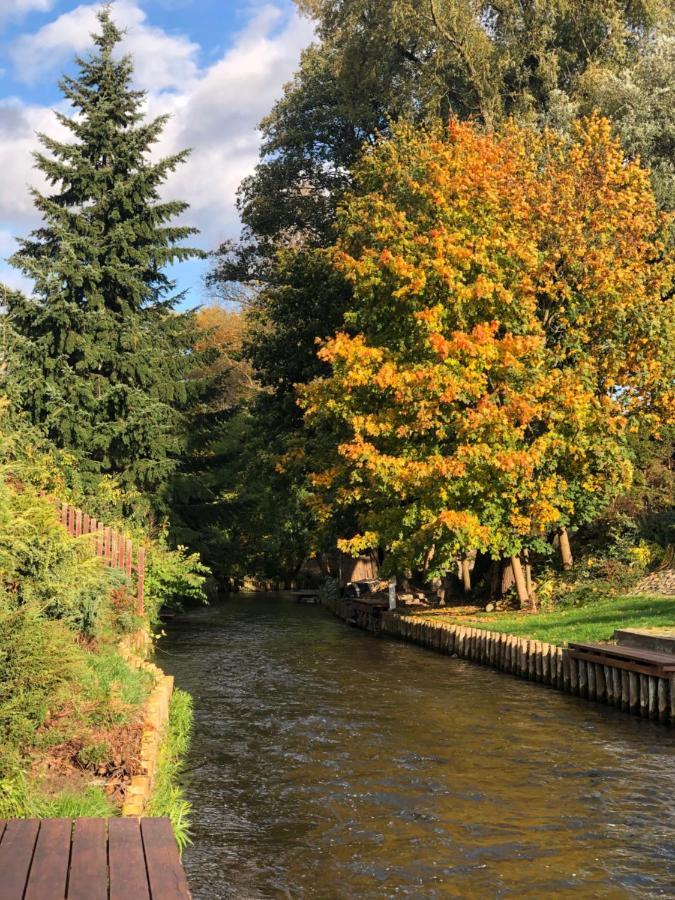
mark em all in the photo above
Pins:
pixel 644 662
pixel 90 859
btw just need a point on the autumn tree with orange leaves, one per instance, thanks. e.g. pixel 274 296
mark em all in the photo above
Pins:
pixel 512 319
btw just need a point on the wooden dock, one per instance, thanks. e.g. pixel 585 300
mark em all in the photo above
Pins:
pixel 90 859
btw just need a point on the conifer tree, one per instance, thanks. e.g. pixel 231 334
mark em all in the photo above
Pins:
pixel 109 356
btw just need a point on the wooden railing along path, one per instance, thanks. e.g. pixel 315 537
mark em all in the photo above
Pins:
pixel 116 549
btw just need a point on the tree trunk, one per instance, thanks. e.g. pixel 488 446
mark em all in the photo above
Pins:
pixel 565 549
pixel 519 579
pixel 466 574
pixel 529 584
pixel 428 557
pixel 507 579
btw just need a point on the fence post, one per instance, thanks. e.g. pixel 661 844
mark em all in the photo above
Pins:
pixel 140 573
pixel 128 557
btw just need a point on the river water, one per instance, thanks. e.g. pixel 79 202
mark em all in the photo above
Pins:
pixel 328 763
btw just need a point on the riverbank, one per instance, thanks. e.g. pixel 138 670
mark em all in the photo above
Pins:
pixel 595 621
pixel 556 666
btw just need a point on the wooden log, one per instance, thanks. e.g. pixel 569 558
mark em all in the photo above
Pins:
pixel 78 523
pixel 582 686
pixel 71 520
pixel 567 671
pixel 85 524
pixel 600 684
pixel 64 514
pixel 653 703
pixel 590 677
pixel 574 675
pixel 562 653
pixel 546 663
pixel 633 692
pixel 625 689
pixel 663 704
pixel 523 648
pixel 531 660
pixel 539 661
pixel 617 687
pixel 644 696
pixel 609 689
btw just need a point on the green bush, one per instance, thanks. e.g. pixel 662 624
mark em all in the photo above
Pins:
pixel 172 577
pixel 40 669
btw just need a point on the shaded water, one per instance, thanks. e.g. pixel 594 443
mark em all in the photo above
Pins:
pixel 328 763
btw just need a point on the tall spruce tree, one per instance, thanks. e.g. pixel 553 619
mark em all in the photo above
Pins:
pixel 108 354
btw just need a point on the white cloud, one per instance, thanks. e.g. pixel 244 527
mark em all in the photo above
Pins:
pixel 214 110
pixel 162 61
pixel 15 9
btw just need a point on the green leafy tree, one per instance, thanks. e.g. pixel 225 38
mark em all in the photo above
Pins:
pixel 379 62
pixel 107 354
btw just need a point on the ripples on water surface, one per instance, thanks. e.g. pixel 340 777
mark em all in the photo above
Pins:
pixel 331 764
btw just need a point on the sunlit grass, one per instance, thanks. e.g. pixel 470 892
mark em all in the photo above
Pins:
pixel 592 622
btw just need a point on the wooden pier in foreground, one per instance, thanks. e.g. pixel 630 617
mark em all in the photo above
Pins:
pixel 90 859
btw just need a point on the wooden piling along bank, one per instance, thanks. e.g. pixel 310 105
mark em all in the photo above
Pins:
pixel 644 695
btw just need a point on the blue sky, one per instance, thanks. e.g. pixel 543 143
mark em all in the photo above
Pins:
pixel 215 65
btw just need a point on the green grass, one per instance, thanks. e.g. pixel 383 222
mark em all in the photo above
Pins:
pixel 91 802
pixel 168 796
pixel 592 622
pixel 21 800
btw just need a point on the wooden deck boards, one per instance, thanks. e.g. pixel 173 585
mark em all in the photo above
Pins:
pixel 644 662
pixel 90 859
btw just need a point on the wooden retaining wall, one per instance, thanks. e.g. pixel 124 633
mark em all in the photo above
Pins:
pixel 135 650
pixel 648 696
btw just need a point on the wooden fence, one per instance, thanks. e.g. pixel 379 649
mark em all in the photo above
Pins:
pixel 118 551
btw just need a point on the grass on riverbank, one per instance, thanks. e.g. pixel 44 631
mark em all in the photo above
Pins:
pixel 592 622
pixel 168 796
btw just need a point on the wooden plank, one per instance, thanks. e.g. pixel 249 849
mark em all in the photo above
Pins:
pixel 165 872
pixel 16 855
pixel 88 878
pixel 49 872
pixel 128 875
pixel 630 653
pixel 587 656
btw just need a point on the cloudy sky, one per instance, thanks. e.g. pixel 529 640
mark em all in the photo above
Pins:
pixel 216 65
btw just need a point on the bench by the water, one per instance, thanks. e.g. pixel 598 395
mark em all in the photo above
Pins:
pixel 644 662
pixel 90 859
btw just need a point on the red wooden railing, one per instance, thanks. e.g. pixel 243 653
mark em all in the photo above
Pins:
pixel 112 546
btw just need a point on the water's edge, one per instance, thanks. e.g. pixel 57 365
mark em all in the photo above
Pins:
pixel 649 696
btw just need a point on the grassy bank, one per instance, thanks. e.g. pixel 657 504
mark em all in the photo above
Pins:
pixel 594 621
pixel 71 707
pixel 168 796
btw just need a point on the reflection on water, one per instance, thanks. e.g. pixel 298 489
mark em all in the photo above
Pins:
pixel 327 763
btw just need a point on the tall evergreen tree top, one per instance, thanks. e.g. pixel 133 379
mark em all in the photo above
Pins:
pixel 109 354
pixel 107 196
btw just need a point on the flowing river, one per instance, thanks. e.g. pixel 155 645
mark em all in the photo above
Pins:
pixel 328 763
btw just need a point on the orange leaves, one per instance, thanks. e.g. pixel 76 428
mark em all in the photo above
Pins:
pixel 509 319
